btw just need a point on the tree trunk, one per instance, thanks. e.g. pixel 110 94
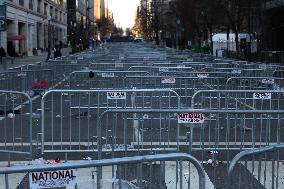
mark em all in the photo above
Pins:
pixel 237 41
pixel 228 40
pixel 211 40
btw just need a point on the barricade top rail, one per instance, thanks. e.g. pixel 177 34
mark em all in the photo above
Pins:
pixel 104 162
pixel 265 166
pixel 190 111
pixel 255 151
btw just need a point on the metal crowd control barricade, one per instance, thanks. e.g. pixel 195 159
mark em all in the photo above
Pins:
pixel 151 171
pixel 204 130
pixel 197 73
pixel 254 83
pixel 154 70
pixel 70 117
pixel 257 168
pixel 184 86
pixel 117 65
pixel 23 80
pixel 93 79
pixel 256 123
pixel 238 99
pixel 15 124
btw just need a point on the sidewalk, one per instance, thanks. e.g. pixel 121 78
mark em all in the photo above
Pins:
pixel 32 59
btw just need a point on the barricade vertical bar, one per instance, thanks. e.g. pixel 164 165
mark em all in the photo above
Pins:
pixel 70 121
pixel 180 174
pixel 6 181
pixel 52 119
pixel 177 173
pixel 273 168
pixel 61 121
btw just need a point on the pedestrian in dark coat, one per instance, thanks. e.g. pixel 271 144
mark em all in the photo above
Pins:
pixel 2 54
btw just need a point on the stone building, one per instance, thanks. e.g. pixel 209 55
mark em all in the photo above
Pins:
pixel 32 24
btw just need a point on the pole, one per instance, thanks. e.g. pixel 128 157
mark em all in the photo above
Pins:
pixel 49 45
pixel 87 21
pixel 249 33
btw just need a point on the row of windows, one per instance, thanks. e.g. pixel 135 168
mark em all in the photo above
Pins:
pixel 44 8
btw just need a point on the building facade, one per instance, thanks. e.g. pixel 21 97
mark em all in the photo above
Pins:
pixel 81 21
pixel 274 25
pixel 33 24
pixel 100 9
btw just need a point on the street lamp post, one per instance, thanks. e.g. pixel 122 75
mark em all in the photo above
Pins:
pixel 49 38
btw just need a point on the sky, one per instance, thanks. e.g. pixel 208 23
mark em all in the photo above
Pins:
pixel 124 12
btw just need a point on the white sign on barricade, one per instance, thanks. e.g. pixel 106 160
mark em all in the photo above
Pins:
pixel 208 65
pixel 267 81
pixel 80 58
pixel 262 66
pixel 191 118
pixel 53 179
pixel 262 96
pixel 168 80
pixel 22 74
pixel 116 95
pixel 181 66
pixel 236 71
pixel 163 69
pixel 149 63
pixel 107 74
pixel 74 62
pixel 118 65
pixel 202 75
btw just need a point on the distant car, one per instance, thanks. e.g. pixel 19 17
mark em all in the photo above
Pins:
pixel 138 39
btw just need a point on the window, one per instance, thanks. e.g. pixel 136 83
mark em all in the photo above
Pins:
pixel 45 9
pixel 39 6
pixel 22 2
pixel 31 5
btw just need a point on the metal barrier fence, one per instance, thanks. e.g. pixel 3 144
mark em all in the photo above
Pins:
pixel 26 80
pixel 205 130
pixel 16 116
pixel 69 116
pixel 94 79
pixel 238 99
pixel 154 70
pixel 124 122
pixel 242 130
pixel 151 171
pixel 257 168
pixel 254 83
pixel 184 86
pixel 118 65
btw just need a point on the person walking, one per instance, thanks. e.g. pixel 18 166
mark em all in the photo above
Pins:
pixel 2 54
pixel 57 52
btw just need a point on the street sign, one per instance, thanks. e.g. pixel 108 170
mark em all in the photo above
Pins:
pixel 2 2
pixel 53 179
pixel 3 20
